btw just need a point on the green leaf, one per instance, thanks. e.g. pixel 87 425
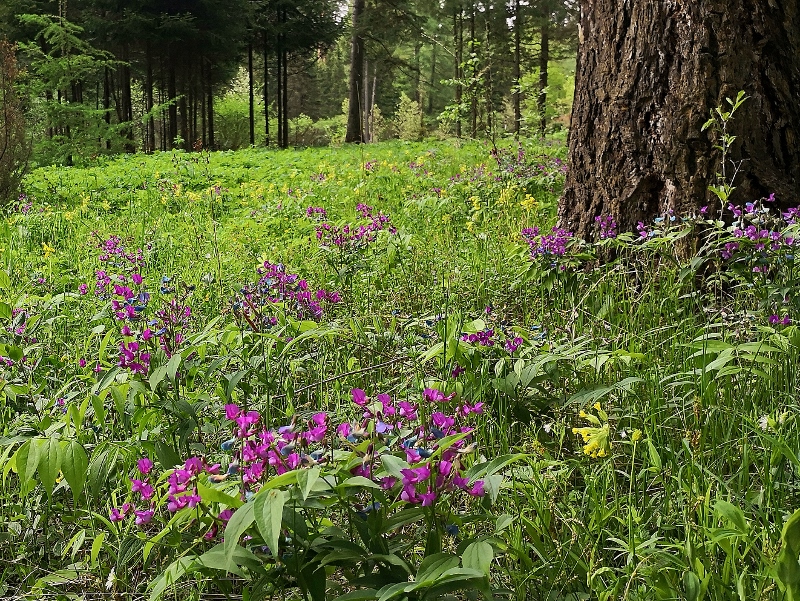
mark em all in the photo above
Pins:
pixel 27 460
pixel 173 365
pixel 213 495
pixel 97 545
pixel 101 466
pixel 5 281
pixel 240 521
pixel 435 565
pixel 306 480
pixel 269 516
pixel 5 311
pixel 478 556
pixel 733 514
pixel 787 568
pixel 49 463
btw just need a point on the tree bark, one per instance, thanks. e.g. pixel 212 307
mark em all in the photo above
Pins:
pixel 517 67
pixel 544 60
pixel 458 41
pixel 250 91
pixel 266 89
pixel 355 129
pixel 648 74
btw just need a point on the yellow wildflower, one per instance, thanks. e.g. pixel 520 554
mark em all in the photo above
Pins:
pixel 48 250
pixel 636 436
pixel 528 203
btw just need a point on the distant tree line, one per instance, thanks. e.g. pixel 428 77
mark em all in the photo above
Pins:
pixel 127 75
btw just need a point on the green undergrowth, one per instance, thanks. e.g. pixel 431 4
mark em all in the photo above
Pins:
pixel 634 410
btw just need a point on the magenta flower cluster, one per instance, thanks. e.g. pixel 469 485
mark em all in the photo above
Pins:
pixel 607 225
pixel 554 244
pixel 483 338
pixel 256 303
pixel 316 212
pixel 355 236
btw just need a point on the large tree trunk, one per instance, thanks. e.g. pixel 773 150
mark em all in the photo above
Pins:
pixel 648 74
pixel 355 129
pixel 517 73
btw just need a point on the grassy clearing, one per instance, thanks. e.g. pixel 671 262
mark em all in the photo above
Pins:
pixel 642 408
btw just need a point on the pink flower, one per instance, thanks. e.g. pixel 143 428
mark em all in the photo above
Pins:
pixel 143 516
pixel 231 411
pixel 145 465
pixel 137 279
pixel 359 397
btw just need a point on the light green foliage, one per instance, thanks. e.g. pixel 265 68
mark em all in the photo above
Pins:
pixel 639 431
pixel 408 119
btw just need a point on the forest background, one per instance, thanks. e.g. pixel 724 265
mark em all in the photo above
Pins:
pixel 95 76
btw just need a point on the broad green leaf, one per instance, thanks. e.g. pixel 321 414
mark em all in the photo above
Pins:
pixel 240 521
pixel 5 311
pixel 367 594
pixel 787 568
pixel 435 565
pixel 97 545
pixel 49 463
pixel 74 464
pixel 478 556
pixel 173 365
pixel 268 516
pixel 306 480
pixel 214 495
pixel 27 460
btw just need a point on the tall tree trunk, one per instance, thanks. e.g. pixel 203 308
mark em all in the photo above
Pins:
pixel 266 89
pixel 544 60
pixel 151 126
pixel 431 85
pixel 210 108
pixel 517 68
pixel 172 92
pixel 648 74
pixel 106 102
pixel 458 42
pixel 279 90
pixel 355 129
pixel 127 98
pixel 250 91
pixel 473 76
pixel 285 87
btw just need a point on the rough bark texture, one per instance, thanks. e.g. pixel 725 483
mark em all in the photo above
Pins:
pixel 648 74
pixel 355 130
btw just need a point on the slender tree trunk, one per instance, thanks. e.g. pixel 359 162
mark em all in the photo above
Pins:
pixel 649 72
pixel 127 99
pixel 107 102
pixel 473 75
pixel 279 89
pixel 266 90
pixel 544 60
pixel 286 129
pixel 458 35
pixel 355 129
pixel 172 93
pixel 210 108
pixel 517 68
pixel 431 86
pixel 365 101
pixel 250 91
pixel 151 126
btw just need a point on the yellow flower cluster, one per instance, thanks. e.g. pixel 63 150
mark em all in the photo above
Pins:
pixel 596 438
pixel 528 203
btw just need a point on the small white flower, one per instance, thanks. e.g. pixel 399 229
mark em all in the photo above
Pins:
pixel 548 427
pixel 763 422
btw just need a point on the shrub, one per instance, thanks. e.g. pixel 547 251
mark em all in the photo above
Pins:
pixel 408 119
